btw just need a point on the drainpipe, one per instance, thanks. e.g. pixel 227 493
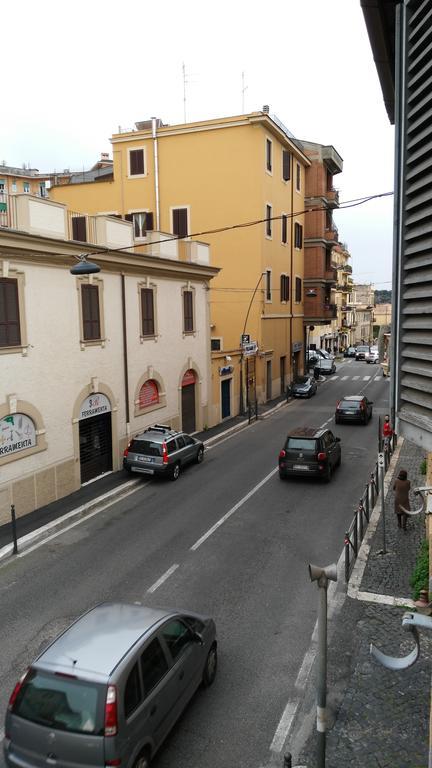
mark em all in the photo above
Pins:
pixel 125 354
pixel 156 172
pixel 291 356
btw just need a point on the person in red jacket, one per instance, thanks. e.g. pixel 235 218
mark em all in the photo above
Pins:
pixel 387 431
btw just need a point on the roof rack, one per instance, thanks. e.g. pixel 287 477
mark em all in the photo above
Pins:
pixel 162 428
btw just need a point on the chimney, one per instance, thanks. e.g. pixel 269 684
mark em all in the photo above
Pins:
pixel 266 109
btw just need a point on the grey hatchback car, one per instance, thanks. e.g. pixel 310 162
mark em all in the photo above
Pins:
pixel 109 689
pixel 161 450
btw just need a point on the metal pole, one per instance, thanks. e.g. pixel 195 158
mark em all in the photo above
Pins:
pixel 322 673
pixel 287 763
pixel 381 483
pixel 14 531
pixel 347 557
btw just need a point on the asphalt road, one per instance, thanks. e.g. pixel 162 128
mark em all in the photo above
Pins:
pixel 229 538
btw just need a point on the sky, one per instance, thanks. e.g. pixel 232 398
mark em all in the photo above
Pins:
pixel 76 72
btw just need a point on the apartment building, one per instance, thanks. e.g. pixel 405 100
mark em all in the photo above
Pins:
pixel 321 236
pixel 88 361
pixel 364 301
pixel 240 181
pixel 345 308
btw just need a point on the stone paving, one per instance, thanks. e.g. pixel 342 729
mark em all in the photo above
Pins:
pixel 381 717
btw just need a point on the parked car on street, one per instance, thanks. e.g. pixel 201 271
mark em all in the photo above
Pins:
pixel 324 366
pixel 354 408
pixel 361 352
pixel 304 386
pixel 372 356
pixel 323 353
pixel 160 450
pixel 350 352
pixel 109 689
pixel 310 452
pixel 312 357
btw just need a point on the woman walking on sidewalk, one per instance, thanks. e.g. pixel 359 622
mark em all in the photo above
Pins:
pixel 402 486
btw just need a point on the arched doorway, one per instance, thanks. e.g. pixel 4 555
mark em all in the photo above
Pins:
pixel 95 436
pixel 188 401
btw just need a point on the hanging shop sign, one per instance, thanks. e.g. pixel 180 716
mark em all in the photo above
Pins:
pixel 17 433
pixel 250 349
pixel 94 405
pixel 225 370
pixel 149 394
pixel 297 346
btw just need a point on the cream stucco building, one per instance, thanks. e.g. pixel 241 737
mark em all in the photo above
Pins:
pixel 86 362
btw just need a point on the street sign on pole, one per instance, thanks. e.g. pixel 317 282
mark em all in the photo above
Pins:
pixel 250 349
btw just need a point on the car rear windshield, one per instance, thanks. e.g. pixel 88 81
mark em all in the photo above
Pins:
pixel 62 703
pixel 146 447
pixel 301 444
pixel 349 405
pixel 362 349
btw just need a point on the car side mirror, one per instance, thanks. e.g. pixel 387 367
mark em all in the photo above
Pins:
pixel 198 638
pixel 370 402
pixel 337 439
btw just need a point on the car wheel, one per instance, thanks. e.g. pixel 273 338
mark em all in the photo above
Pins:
pixel 175 472
pixel 128 470
pixel 337 419
pixel 338 463
pixel 210 668
pixel 328 473
pixel 200 456
pixel 143 761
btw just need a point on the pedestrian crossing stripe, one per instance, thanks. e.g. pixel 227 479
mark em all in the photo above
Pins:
pixel 344 378
pixel 366 378
pixel 355 378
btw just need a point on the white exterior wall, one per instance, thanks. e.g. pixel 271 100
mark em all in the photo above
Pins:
pixel 56 368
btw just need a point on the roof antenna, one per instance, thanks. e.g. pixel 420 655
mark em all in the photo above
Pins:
pixel 184 92
pixel 244 88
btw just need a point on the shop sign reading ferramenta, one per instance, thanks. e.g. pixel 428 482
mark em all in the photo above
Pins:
pixel 17 433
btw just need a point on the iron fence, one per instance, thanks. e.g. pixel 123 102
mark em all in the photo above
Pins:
pixel 355 533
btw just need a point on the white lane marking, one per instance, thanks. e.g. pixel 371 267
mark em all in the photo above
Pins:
pixel 354 378
pixel 77 522
pixel 163 578
pixel 366 378
pixel 371 597
pixel 305 669
pixel 233 509
pixel 284 726
pixel 333 378
pixel 344 378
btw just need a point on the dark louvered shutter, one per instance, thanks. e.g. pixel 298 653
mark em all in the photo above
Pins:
pixel 286 165
pixel 412 303
pixel 136 162
pixel 149 221
pixel 90 312
pixel 79 229
pixel 284 229
pixel 147 311
pixel 188 311
pixel 10 334
pixel 180 224
pixel 129 217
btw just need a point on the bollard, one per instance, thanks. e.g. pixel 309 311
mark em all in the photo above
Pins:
pixel 372 487
pixel 287 763
pixel 347 557
pixel 14 532
pixel 381 461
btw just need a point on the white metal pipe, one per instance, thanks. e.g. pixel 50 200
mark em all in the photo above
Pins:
pixel 156 172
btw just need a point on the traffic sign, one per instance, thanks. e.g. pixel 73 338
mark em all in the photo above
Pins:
pixel 244 339
pixel 250 349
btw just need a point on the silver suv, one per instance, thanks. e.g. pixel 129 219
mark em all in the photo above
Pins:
pixel 161 450
pixel 109 689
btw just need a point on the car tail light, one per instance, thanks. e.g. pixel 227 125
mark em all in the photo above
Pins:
pixel 17 689
pixel 112 762
pixel 338 404
pixel 362 406
pixel 126 451
pixel 282 454
pixel 322 456
pixel 111 711
pixel 164 453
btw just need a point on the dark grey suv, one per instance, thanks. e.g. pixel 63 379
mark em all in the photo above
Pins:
pixel 310 452
pixel 161 450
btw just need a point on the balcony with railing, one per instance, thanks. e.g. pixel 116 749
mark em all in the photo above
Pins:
pixel 331 235
pixel 332 197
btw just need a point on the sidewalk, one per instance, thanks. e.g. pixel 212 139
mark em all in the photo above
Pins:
pixel 111 484
pixel 382 717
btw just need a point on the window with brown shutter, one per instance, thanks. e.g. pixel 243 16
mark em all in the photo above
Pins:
pixel 90 312
pixel 286 165
pixel 284 289
pixel 298 235
pixel 298 289
pixel 79 228
pixel 298 177
pixel 268 155
pixel 147 312
pixel 188 317
pixel 268 220
pixel 136 162
pixel 180 222
pixel 284 228
pixel 10 332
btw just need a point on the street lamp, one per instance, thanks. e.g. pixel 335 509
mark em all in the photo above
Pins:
pixel 84 267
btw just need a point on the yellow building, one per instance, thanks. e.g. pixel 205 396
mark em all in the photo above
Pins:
pixel 195 179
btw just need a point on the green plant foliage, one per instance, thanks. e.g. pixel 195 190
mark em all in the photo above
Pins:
pixel 420 575
pixel 423 467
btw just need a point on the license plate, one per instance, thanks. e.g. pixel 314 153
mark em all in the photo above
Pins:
pixel 147 459
pixel 300 466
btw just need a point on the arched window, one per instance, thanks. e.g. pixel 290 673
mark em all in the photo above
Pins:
pixel 148 394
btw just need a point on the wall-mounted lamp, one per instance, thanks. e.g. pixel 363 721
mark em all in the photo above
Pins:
pixel 84 267
pixel 311 292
